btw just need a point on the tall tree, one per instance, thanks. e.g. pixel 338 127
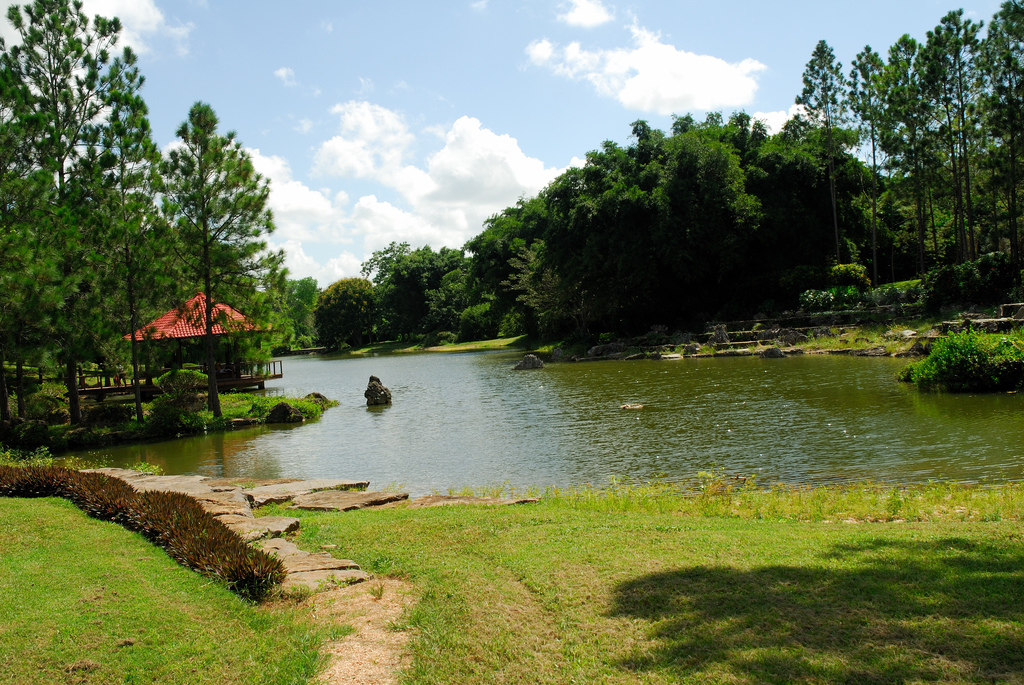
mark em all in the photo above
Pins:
pixel 20 191
pixel 1004 108
pixel 867 103
pixel 908 117
pixel 950 77
pixel 823 100
pixel 62 60
pixel 217 204
pixel 139 252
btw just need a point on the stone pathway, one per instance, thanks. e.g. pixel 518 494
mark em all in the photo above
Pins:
pixel 232 505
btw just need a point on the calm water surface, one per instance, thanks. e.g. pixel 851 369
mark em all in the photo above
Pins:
pixel 469 419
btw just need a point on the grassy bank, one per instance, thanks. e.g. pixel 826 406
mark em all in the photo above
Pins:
pixel 513 343
pixel 86 601
pixel 717 582
pixel 636 586
pixel 161 422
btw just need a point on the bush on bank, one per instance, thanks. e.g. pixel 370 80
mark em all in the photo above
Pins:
pixel 970 362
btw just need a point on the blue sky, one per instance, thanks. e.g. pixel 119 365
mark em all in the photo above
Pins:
pixel 411 120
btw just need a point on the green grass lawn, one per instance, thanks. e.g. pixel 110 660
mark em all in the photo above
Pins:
pixel 565 592
pixel 635 584
pixel 85 601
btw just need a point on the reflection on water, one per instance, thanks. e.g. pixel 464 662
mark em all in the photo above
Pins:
pixel 469 419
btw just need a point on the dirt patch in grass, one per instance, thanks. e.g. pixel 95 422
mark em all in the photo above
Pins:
pixel 375 651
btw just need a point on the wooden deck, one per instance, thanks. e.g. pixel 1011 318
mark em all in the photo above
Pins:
pixel 247 377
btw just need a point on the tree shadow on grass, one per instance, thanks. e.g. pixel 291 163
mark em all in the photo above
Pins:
pixel 893 611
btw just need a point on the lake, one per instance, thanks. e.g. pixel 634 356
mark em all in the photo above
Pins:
pixel 463 419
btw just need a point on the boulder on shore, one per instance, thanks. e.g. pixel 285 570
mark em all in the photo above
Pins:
pixel 376 394
pixel 530 361
pixel 719 335
pixel 285 413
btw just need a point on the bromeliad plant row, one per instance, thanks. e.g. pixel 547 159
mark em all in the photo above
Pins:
pixel 170 520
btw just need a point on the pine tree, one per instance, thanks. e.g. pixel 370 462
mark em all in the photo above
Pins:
pixel 217 204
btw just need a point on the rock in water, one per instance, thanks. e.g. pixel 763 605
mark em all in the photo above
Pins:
pixel 530 361
pixel 284 413
pixel 376 393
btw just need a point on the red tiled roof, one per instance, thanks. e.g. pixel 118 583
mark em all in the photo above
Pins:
pixel 189 321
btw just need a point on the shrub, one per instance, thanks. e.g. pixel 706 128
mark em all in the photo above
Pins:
pixel 802 278
pixel 986 280
pixel 109 414
pixel 895 294
pixel 970 362
pixel 49 403
pixel 32 435
pixel 839 297
pixel 167 418
pixel 855 275
pixel 182 381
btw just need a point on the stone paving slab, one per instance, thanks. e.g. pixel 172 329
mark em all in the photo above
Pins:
pixel 451 500
pixel 338 500
pixel 251 529
pixel 222 502
pixel 300 561
pixel 283 492
pixel 230 504
pixel 316 580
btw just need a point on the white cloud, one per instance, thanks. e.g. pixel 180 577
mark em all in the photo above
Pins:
pixel 304 126
pixel 447 197
pixel 373 142
pixel 327 27
pixel 287 76
pixel 653 76
pixel 586 13
pixel 300 264
pixel 776 120
pixel 479 5
pixel 365 86
pixel 141 20
pixel 300 213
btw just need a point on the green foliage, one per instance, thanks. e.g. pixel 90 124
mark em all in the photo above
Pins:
pixel 49 403
pixel 895 293
pixel 855 275
pixel 477 323
pixel 301 298
pixel 108 414
pixel 801 278
pixel 10 456
pixel 182 381
pixel 970 362
pixel 985 280
pixel 344 312
pixel 217 203
pixel 416 291
pixel 167 419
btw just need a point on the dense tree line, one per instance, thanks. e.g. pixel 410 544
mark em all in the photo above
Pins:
pixel 87 254
pixel 904 163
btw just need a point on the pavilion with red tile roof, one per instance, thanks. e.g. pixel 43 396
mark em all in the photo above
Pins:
pixel 189 321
